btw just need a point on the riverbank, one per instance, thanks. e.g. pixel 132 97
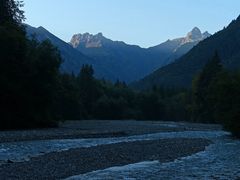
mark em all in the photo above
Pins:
pixel 58 165
pixel 69 150
pixel 102 129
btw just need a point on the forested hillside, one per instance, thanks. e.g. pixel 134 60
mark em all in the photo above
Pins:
pixel 181 72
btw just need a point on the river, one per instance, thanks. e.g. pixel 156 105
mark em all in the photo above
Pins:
pixel 220 160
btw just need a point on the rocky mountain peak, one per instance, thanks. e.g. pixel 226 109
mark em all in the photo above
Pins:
pixel 206 34
pixel 195 34
pixel 87 40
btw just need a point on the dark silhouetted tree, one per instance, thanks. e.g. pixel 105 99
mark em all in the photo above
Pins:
pixel 10 12
pixel 89 89
pixel 227 101
pixel 202 93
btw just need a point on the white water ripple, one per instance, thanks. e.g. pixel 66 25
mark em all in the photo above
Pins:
pixel 22 151
pixel 220 160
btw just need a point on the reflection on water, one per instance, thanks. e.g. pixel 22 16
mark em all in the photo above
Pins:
pixel 220 160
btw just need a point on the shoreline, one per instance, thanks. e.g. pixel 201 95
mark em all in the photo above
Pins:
pixel 59 165
pixel 102 129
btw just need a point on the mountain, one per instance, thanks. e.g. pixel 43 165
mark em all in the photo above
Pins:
pixel 180 73
pixel 72 59
pixel 130 62
pixel 114 60
pixel 173 49
pixel 126 62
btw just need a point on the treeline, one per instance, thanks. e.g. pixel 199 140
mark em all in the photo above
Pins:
pixel 215 96
pixel 84 97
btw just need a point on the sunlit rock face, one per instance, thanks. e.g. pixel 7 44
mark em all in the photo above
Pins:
pixel 196 35
pixel 175 48
pixel 87 40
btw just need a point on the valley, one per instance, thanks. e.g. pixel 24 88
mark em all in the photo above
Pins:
pixel 124 89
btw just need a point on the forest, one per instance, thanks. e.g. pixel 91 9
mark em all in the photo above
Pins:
pixel 35 94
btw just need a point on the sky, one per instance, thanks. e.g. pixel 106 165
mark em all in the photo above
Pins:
pixel 142 22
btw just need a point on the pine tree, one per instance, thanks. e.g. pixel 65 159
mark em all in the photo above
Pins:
pixel 13 44
pixel 88 89
pixel 29 73
pixel 10 12
pixel 202 94
pixel 227 101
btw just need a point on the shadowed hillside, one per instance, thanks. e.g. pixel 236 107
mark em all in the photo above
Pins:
pixel 181 72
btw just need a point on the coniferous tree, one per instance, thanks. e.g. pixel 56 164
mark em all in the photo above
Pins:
pixel 202 93
pixel 89 89
pixel 13 45
pixel 227 101
pixel 10 12
pixel 29 73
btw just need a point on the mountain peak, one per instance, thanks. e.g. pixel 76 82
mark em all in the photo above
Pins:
pixel 206 34
pixel 87 40
pixel 196 29
pixel 195 34
pixel 99 34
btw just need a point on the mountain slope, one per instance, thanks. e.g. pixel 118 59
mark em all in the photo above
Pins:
pixel 114 60
pixel 181 72
pixel 173 49
pixel 127 62
pixel 130 62
pixel 72 59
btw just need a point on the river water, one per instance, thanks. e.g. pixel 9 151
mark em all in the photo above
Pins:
pixel 220 160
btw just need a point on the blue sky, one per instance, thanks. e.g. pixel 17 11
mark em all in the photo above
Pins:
pixel 142 22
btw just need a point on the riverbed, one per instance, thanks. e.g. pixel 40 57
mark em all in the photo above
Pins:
pixel 143 150
pixel 220 160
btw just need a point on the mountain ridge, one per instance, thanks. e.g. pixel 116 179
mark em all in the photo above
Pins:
pixel 180 73
pixel 123 58
pixel 112 60
pixel 72 59
pixel 179 46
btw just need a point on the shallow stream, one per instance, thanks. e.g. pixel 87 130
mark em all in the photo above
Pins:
pixel 220 160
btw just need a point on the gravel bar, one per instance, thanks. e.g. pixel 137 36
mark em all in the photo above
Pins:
pixel 60 165
pixel 102 129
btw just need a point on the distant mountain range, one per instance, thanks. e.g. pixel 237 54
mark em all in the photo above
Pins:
pixel 125 62
pixel 114 60
pixel 171 50
pixel 181 72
